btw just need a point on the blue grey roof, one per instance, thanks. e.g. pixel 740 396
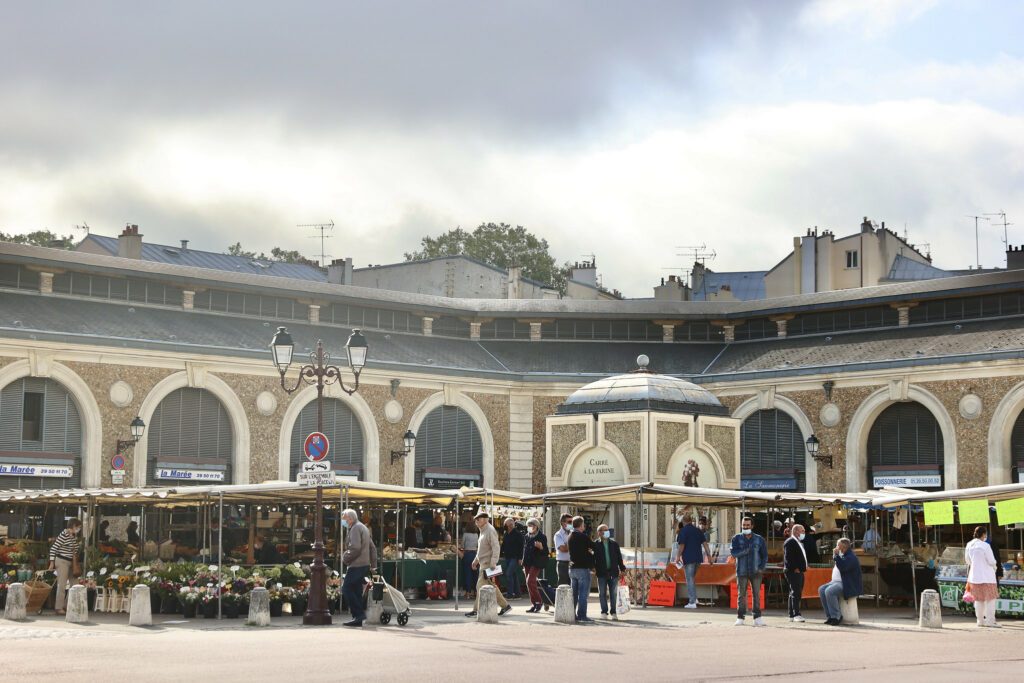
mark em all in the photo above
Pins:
pixel 745 285
pixel 455 257
pixel 196 258
pixel 904 269
pixel 642 390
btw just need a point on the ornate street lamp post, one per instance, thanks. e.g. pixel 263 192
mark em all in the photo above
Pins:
pixel 319 373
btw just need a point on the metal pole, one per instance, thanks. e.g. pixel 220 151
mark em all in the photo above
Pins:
pixel 317 613
pixel 643 554
pixel 220 549
pixel 458 541
pixel 341 527
pixel 913 571
pixel 398 514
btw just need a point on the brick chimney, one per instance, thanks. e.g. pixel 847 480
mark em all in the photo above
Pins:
pixel 129 243
pixel 339 272
pixel 1015 258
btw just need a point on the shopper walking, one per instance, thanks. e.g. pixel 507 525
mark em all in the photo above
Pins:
pixel 608 566
pixel 751 554
pixel 794 563
pixel 981 577
pixel 487 556
pixel 535 559
pixel 357 566
pixel 581 562
pixel 64 560
pixel 512 557
pixel 846 582
pixel 562 549
pixel 692 548
pixel 470 541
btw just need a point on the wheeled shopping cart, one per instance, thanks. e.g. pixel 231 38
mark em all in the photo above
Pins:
pixel 390 600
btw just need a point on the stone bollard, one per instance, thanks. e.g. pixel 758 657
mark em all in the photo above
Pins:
pixel 849 611
pixel 141 613
pixel 931 610
pixel 78 605
pixel 259 607
pixel 17 600
pixel 488 610
pixel 565 610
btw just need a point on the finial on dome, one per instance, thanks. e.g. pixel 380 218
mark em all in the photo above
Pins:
pixel 643 361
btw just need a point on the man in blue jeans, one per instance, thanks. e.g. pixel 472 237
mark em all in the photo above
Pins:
pixel 847 582
pixel 692 547
pixel 511 557
pixel 358 554
pixel 581 562
pixel 751 553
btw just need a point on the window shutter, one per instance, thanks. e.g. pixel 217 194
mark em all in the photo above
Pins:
pixel 342 429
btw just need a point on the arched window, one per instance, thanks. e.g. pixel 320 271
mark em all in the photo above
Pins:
pixel 772 453
pixel 905 447
pixel 343 431
pixel 190 440
pixel 40 436
pixel 1017 448
pixel 449 450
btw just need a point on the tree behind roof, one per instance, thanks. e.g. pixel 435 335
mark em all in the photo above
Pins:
pixel 41 238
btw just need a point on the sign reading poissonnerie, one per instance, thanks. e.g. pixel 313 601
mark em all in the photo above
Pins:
pixel 907 480
pixel 177 474
pixel 54 471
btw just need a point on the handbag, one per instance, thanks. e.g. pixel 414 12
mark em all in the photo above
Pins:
pixel 968 595
pixel 622 599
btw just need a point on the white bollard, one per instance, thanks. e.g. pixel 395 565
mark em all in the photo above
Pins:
pixel 17 600
pixel 488 611
pixel 78 606
pixel 142 613
pixel 931 610
pixel 848 609
pixel 259 607
pixel 565 610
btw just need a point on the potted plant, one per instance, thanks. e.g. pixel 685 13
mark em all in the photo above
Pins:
pixel 299 600
pixel 209 601
pixel 232 605
pixel 169 597
pixel 189 596
pixel 276 601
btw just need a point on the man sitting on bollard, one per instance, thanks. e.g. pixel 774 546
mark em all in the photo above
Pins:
pixel 846 582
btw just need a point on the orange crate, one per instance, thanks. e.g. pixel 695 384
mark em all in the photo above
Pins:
pixel 662 593
pixel 734 596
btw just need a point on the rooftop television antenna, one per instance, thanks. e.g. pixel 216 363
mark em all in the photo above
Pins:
pixel 322 228
pixel 699 254
pixel 1006 234
pixel 977 250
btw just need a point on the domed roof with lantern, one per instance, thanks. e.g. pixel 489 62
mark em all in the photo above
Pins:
pixel 642 390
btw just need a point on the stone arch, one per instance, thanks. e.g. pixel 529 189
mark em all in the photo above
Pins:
pixel 232 405
pixel 88 409
pixel 359 407
pixel 864 418
pixel 479 419
pixel 999 430
pixel 707 450
pixel 751 406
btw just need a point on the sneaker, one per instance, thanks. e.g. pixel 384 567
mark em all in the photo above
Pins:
pixel 994 625
pixel 690 605
pixel 831 622
pixel 799 619
pixel 615 617
pixel 585 620
pixel 355 623
pixel 759 622
pixel 739 622
pixel 504 610
pixel 471 614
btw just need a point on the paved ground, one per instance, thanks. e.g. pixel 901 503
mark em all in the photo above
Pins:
pixel 438 644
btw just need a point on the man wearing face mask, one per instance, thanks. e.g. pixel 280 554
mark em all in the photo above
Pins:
pixel 608 565
pixel 357 558
pixel 751 554
pixel 794 562
pixel 562 549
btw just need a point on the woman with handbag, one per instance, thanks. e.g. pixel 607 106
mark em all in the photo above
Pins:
pixel 981 578
pixel 535 559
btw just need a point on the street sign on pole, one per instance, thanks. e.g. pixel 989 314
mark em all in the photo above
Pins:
pixel 317 466
pixel 316 446
pixel 117 462
pixel 306 479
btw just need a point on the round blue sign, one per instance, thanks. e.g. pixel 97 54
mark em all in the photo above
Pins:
pixel 117 462
pixel 316 446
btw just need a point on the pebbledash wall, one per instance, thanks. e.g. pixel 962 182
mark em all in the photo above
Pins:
pixel 114 371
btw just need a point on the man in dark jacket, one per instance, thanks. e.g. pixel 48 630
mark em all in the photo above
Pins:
pixel 512 557
pixel 846 581
pixel 794 562
pixel 607 565
pixel 581 561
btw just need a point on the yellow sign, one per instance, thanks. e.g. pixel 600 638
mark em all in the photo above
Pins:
pixel 939 512
pixel 973 511
pixel 1010 511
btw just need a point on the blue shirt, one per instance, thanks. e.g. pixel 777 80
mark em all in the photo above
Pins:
pixel 691 540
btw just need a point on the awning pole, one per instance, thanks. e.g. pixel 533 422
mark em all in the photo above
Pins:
pixel 398 516
pixel 220 550
pixel 643 555
pixel 458 542
pixel 913 558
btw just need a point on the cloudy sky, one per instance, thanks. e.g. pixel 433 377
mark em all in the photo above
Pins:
pixel 625 130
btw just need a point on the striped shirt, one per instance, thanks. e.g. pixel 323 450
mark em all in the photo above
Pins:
pixel 65 546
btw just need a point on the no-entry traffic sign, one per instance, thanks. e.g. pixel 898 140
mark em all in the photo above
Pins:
pixel 117 462
pixel 316 446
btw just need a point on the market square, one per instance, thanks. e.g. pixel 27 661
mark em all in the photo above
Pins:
pixel 669 340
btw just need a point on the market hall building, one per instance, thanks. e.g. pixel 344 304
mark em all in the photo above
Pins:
pixel 916 384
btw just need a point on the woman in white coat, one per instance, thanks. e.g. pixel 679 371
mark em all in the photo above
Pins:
pixel 981 576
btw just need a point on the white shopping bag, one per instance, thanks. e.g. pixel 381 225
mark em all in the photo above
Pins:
pixel 622 603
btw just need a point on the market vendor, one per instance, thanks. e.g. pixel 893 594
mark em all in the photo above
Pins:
pixel 104 535
pixel 415 536
pixel 133 534
pixel 436 533
pixel 266 553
